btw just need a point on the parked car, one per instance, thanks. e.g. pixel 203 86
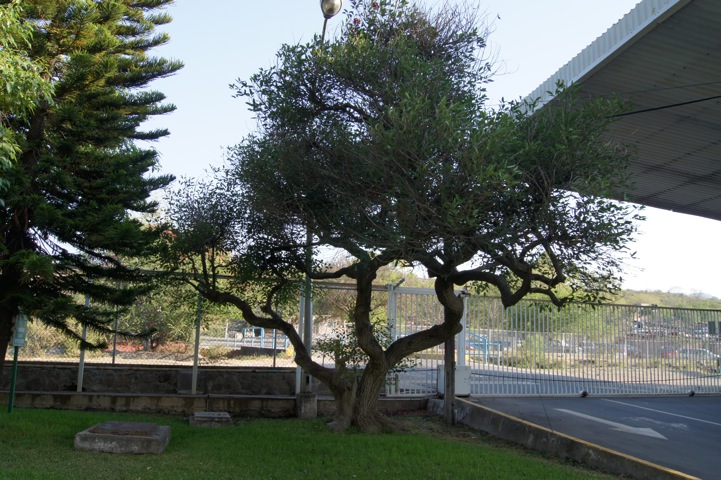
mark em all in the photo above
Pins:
pixel 561 346
pixel 702 358
pixel 628 351
pixel 587 347
pixel 669 352
pixel 698 354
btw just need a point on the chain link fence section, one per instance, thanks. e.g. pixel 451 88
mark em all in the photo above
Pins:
pixel 220 343
pixel 228 341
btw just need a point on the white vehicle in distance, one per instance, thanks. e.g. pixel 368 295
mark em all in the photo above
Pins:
pixel 701 356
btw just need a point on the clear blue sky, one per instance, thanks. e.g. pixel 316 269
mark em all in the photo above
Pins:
pixel 222 40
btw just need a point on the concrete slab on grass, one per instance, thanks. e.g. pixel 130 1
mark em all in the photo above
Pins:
pixel 124 437
pixel 211 419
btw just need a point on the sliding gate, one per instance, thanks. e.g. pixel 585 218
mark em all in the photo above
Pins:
pixel 534 348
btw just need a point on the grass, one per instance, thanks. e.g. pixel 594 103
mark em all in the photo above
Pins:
pixel 38 444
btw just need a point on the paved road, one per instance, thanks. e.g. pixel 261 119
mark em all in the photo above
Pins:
pixel 494 383
pixel 682 433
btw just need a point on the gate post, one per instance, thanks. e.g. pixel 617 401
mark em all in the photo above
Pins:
pixel 306 400
pixel 307 332
pixel 81 361
pixel 461 348
pixel 196 352
pixel 392 308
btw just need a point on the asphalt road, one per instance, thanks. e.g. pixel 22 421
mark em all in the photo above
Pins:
pixel 682 433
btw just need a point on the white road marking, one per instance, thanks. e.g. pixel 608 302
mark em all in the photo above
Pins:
pixel 616 426
pixel 665 413
pixel 672 426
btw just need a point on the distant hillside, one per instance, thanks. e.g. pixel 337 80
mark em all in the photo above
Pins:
pixel 667 299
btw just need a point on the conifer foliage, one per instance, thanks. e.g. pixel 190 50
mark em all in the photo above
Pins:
pixel 22 86
pixel 73 195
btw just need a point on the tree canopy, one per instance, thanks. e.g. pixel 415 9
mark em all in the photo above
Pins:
pixel 22 86
pixel 379 144
pixel 81 178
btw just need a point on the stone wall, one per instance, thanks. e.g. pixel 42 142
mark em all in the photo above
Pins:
pixel 236 405
pixel 242 392
pixel 60 377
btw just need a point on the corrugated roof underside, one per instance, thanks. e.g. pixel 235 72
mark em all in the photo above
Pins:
pixel 671 56
pixel 611 43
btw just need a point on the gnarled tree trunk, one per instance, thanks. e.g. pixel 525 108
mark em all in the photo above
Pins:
pixel 366 415
pixel 344 393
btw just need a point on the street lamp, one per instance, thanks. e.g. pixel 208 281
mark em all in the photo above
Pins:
pixel 330 9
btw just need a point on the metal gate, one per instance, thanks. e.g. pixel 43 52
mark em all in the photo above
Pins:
pixel 534 348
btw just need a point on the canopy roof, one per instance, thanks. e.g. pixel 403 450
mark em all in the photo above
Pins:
pixel 664 57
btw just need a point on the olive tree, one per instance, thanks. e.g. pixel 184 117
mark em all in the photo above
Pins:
pixel 379 144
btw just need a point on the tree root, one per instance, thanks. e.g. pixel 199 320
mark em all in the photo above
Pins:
pixel 378 423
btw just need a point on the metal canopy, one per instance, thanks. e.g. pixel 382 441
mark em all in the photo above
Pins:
pixel 664 57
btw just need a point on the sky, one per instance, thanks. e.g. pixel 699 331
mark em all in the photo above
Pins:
pixel 220 41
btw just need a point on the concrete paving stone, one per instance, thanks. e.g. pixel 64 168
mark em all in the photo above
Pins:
pixel 124 437
pixel 211 419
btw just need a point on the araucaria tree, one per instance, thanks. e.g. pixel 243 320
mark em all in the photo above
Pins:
pixel 21 81
pixel 78 174
pixel 379 144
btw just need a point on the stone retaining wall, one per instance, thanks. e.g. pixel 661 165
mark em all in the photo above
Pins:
pixel 131 379
pixel 236 405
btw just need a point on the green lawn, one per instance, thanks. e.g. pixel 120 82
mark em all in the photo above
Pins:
pixel 38 444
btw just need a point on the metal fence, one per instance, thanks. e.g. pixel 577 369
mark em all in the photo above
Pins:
pixel 199 343
pixel 532 348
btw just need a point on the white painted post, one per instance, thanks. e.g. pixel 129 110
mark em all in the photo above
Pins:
pixel 307 329
pixel 392 310
pixel 307 386
pixel 196 353
pixel 393 307
pixel 115 332
pixel 461 345
pixel 81 362
pixel 301 328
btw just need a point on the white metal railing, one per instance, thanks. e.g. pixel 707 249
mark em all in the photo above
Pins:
pixel 534 348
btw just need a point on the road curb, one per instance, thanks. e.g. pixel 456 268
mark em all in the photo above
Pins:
pixel 563 446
